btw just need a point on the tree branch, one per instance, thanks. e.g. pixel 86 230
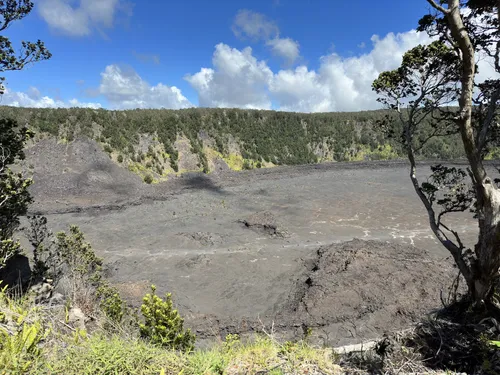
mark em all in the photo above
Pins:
pixel 455 250
pixel 438 7
pixel 489 119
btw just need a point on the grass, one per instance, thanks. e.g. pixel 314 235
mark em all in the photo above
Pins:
pixel 37 340
pixel 103 355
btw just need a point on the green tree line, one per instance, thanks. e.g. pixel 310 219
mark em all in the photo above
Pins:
pixel 271 136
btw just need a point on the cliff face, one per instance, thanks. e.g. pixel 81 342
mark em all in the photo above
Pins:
pixel 159 143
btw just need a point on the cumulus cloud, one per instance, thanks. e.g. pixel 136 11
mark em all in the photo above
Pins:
pixel 256 27
pixel 34 99
pixel 237 80
pixel 286 48
pixel 125 89
pixel 80 19
pixel 342 84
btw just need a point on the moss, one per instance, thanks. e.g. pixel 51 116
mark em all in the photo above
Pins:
pixel 493 154
pixel 365 152
pixel 234 161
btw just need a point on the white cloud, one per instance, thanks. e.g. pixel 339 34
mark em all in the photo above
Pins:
pixel 79 20
pixel 342 84
pixel 34 99
pixel 256 26
pixel 285 47
pixel 125 89
pixel 237 80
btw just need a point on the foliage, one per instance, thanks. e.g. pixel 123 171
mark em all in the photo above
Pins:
pixel 20 350
pixel 46 262
pixel 148 178
pixel 103 355
pixel 111 303
pixel 255 135
pixel 163 325
pixel 428 81
pixel 20 335
pixel 83 273
pixel 30 52
pixel 14 195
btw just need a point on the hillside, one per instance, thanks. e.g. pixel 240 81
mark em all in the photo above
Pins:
pixel 158 143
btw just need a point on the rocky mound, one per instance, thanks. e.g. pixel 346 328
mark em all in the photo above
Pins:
pixel 363 288
pixel 78 173
pixel 351 292
pixel 265 222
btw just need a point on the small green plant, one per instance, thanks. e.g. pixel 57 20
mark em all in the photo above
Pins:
pixel 148 179
pixel 247 165
pixel 108 149
pixel 120 158
pixel 19 351
pixel 149 165
pixel 232 342
pixel 83 269
pixel 163 325
pixel 112 304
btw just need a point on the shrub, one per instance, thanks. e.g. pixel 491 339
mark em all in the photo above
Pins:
pixel 247 165
pixel 120 158
pixel 111 304
pixel 83 270
pixel 174 165
pixel 46 260
pixel 163 325
pixel 148 179
pixel 149 165
pixel 108 149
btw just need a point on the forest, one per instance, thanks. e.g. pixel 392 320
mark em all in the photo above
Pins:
pixel 272 137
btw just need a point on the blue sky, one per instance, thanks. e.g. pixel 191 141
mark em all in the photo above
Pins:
pixel 286 54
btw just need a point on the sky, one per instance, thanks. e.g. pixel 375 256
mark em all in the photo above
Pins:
pixel 291 55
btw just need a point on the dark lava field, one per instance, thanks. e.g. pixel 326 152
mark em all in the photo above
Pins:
pixel 344 249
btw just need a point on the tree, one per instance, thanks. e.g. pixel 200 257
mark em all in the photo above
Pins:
pixel 14 195
pixel 428 81
pixel 11 11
